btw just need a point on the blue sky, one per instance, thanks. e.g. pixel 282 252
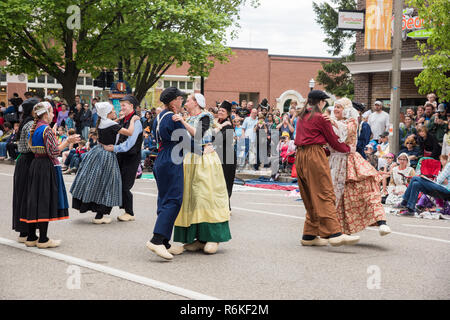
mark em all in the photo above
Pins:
pixel 285 27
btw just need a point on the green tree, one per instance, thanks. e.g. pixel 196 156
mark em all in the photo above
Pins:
pixel 180 31
pixel 39 36
pixel 149 36
pixel 335 76
pixel 435 53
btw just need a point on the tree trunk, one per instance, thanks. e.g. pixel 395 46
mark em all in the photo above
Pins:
pixel 69 84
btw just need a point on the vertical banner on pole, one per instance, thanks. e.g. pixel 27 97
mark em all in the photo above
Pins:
pixel 378 25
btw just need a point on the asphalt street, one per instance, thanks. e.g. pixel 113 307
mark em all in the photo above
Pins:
pixel 264 260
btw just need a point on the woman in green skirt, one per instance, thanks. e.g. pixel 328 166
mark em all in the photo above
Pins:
pixel 202 222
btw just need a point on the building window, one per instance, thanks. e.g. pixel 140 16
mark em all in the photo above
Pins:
pixel 53 91
pixel 41 79
pixel 88 81
pixel 2 77
pixel 32 80
pixel 175 84
pixel 182 85
pixel 37 91
pixel 166 84
pixel 50 79
pixel 190 85
pixel 80 81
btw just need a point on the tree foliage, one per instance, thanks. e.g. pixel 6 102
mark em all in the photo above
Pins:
pixel 435 53
pixel 335 76
pixel 327 18
pixel 148 36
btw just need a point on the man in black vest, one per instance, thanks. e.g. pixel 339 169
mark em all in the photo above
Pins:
pixel 128 151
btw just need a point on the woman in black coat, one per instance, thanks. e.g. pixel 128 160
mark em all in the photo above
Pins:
pixel 224 145
pixel 429 145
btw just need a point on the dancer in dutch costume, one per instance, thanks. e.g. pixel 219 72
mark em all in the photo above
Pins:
pixel 203 219
pixel 224 144
pixel 47 198
pixel 98 184
pixel 21 170
pixel 168 172
pixel 356 183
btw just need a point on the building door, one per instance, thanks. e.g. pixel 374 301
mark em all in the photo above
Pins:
pixel 287 105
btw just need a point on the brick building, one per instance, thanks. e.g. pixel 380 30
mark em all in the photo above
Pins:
pixel 251 74
pixel 372 72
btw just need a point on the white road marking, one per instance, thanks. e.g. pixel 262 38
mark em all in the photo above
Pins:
pixel 267 212
pixel 111 271
pixel 6 174
pixel 424 226
pixel 300 204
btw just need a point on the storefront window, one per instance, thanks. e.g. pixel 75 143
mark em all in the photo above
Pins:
pixel 51 80
pixel 41 79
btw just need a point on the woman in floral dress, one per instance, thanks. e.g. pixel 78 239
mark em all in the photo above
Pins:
pixel 356 182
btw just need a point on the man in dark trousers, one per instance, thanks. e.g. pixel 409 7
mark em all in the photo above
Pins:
pixel 128 150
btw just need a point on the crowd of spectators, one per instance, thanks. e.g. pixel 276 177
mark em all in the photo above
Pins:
pixel 423 135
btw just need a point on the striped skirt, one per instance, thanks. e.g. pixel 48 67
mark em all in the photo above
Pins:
pixel 98 180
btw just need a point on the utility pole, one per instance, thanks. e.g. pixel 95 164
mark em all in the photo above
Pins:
pixel 396 75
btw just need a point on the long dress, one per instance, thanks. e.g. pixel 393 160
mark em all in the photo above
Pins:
pixel 205 212
pixel 225 149
pixel 47 197
pixel 21 172
pixel 98 184
pixel 358 196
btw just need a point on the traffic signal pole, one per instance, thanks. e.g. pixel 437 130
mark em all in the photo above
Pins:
pixel 396 76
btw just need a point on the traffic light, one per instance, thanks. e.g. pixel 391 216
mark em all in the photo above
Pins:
pixel 109 78
pixel 100 81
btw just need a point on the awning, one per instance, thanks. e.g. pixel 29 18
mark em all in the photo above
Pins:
pixel 407 64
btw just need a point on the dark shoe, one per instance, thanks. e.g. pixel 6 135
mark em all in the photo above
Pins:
pixel 406 213
pixel 420 209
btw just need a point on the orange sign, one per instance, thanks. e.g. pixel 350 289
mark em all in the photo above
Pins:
pixel 121 86
pixel 378 25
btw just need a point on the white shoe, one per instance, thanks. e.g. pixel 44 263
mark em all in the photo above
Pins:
pixel 194 246
pixel 384 230
pixel 319 242
pixel 49 244
pixel 343 239
pixel 104 220
pixel 22 239
pixel 160 250
pixel 211 247
pixel 126 217
pixel 175 250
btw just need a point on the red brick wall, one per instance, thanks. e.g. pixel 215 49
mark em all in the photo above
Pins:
pixel 247 71
pixel 14 87
pixel 292 74
pixel 254 70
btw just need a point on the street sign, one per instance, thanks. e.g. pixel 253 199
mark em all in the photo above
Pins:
pixel 351 20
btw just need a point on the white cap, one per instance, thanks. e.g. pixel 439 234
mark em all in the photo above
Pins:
pixel 103 109
pixel 200 100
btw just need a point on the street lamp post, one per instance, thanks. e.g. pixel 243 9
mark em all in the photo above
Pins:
pixel 311 84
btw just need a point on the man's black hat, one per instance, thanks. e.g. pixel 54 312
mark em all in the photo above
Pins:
pixel 131 99
pixel 318 94
pixel 170 94
pixel 358 106
pixel 226 105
